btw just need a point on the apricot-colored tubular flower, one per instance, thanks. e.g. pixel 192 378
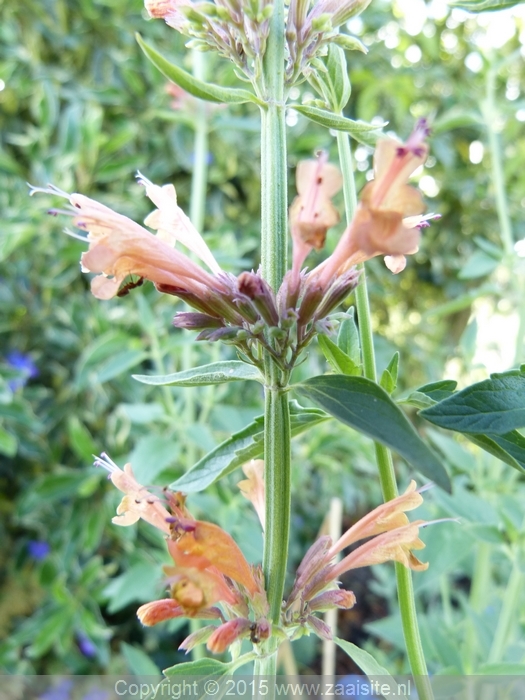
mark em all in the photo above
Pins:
pixel 312 212
pixel 386 221
pixel 119 247
pixel 252 487
pixel 169 11
pixel 392 537
pixel 138 501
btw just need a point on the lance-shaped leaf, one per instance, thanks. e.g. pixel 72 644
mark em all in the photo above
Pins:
pixel 195 87
pixel 495 406
pixel 366 407
pixel 240 447
pixel 359 130
pixel 215 373
pixel 371 667
pixel 200 667
pixel 485 5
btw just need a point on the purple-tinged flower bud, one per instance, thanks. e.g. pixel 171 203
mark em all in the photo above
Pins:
pixel 229 333
pixel 338 292
pixel 328 600
pixel 201 636
pixel 319 627
pixel 255 288
pixel 311 299
pixel 196 321
pixel 314 560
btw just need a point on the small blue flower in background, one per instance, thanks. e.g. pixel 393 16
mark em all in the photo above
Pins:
pixel 38 550
pixel 86 646
pixel 25 365
pixel 96 694
pixel 62 691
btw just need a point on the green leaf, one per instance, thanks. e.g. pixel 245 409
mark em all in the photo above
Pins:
pixel 215 373
pixel 510 448
pixel 197 88
pixel 494 406
pixel 478 264
pixel 338 359
pixel 359 130
pixel 138 663
pixel 348 338
pixel 366 407
pixel 439 390
pixel 200 667
pixel 336 79
pixel 485 5
pixel 240 447
pixel 8 443
pixel 370 666
pixel 389 377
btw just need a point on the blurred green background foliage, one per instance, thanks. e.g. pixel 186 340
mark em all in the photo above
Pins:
pixel 82 108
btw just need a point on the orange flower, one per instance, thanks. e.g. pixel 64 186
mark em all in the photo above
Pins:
pixel 386 220
pixel 252 487
pixel 119 247
pixel 312 212
pixel 205 545
pixel 138 501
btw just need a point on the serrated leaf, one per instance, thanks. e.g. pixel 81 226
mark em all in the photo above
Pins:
pixel 214 373
pixel 365 406
pixel 359 130
pixel 195 87
pixel 494 406
pixel 370 666
pixel 339 360
pixel 240 447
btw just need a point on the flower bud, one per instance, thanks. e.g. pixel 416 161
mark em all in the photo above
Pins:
pixel 228 633
pixel 196 321
pixel 255 288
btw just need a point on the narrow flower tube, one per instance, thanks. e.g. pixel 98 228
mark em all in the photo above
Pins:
pixel 138 502
pixel 312 212
pixel 387 218
pixel 119 247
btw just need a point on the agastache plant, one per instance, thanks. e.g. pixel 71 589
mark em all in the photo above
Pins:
pixel 270 316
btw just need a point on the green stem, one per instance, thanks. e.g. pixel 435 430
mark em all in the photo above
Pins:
pixel 274 245
pixel 199 182
pixel 509 611
pixel 385 464
pixel 491 116
pixel 478 598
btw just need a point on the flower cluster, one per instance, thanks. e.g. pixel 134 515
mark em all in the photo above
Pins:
pixel 208 571
pixel 392 538
pixel 245 311
pixel 309 31
pixel 236 29
pixel 210 579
